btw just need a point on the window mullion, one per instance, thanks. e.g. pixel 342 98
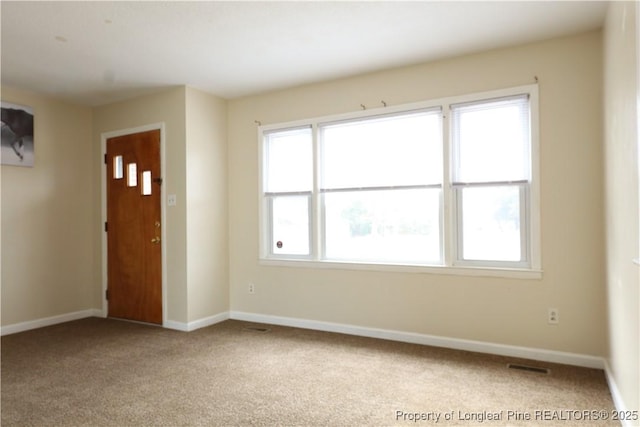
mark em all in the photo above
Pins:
pixel 269 205
pixel 317 210
pixel 448 212
pixel 458 231
pixel 525 246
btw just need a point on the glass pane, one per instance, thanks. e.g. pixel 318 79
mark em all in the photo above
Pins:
pixel 491 223
pixel 387 151
pixel 118 172
pixel 290 218
pixel 146 183
pixel 132 175
pixel 491 141
pixel 289 161
pixel 384 226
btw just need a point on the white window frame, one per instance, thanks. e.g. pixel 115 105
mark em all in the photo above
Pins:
pixel 266 203
pixel 452 264
pixel 524 190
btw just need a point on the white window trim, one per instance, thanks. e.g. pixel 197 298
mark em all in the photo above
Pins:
pixel 448 235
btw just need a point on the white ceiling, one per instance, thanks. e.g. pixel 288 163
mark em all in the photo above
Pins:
pixel 94 53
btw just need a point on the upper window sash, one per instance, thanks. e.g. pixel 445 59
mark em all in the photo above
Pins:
pixel 398 150
pixel 288 161
pixel 491 140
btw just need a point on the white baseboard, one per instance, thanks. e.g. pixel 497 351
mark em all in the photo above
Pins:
pixel 200 323
pixel 409 337
pixel 94 312
pixel 48 321
pixel 432 340
pixel 617 396
pixel 177 326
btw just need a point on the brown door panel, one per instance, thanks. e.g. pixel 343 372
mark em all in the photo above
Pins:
pixel 134 248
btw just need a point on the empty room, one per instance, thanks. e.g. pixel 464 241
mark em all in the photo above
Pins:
pixel 320 213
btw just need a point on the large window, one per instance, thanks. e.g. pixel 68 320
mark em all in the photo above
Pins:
pixel 450 183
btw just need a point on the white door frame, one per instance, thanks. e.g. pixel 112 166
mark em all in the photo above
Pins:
pixel 103 150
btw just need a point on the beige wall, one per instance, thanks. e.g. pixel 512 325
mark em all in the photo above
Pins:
pixel 498 310
pixel 622 93
pixel 47 222
pixel 195 171
pixel 207 228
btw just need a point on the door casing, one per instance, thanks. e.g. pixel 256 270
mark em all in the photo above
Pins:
pixel 103 149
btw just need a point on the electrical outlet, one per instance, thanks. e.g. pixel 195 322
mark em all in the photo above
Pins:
pixel 553 316
pixel 251 288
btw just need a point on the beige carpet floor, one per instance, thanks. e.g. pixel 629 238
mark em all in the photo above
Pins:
pixel 102 372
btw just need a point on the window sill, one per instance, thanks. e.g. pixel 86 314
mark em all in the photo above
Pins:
pixel 513 273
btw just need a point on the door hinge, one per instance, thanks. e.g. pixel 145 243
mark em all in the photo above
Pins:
pixel 106 226
pixel 106 294
pixel 105 158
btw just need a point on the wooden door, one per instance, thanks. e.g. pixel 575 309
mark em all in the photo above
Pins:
pixel 134 227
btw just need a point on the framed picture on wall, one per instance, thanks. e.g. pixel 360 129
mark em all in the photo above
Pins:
pixel 17 146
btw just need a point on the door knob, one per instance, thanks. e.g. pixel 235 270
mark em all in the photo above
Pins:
pixel 155 240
